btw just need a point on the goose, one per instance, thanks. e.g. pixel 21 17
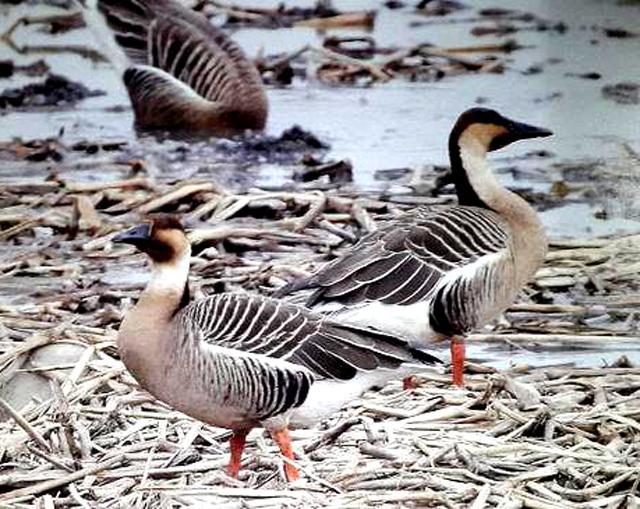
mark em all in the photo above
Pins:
pixel 184 73
pixel 439 272
pixel 241 361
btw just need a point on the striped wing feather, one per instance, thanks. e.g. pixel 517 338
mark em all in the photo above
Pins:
pixel 166 35
pixel 403 262
pixel 129 21
pixel 258 325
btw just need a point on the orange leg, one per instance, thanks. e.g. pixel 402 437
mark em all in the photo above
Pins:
pixel 409 383
pixel 236 443
pixel 457 360
pixel 283 439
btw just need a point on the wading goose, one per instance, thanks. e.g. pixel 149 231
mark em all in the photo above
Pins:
pixel 185 73
pixel 440 272
pixel 239 361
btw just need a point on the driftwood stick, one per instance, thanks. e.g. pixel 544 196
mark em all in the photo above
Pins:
pixel 49 458
pixel 93 187
pixel 33 20
pixel 24 424
pixel 431 51
pixel 63 481
pixel 175 195
pixel 315 209
pixel 331 435
pixel 288 57
pixel 344 20
pixel 373 69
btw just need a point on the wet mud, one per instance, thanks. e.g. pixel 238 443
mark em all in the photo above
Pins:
pixel 55 90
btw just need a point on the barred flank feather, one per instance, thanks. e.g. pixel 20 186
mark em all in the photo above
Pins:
pixel 401 263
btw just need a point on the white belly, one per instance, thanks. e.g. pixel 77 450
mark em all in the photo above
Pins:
pixel 411 322
pixel 327 397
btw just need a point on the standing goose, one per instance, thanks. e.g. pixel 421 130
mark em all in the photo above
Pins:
pixel 440 272
pixel 239 361
pixel 185 73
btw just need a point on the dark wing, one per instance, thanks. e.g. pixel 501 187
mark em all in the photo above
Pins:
pixel 285 331
pixel 402 262
pixel 167 35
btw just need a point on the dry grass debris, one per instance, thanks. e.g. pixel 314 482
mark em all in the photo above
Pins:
pixel 79 433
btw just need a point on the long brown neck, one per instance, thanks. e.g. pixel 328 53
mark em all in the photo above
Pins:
pixel 146 329
pixel 530 243
pixel 165 292
pixel 465 154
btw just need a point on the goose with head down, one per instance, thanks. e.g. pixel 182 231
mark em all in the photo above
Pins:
pixel 185 73
pixel 441 272
pixel 240 361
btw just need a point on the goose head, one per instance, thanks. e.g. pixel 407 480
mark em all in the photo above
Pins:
pixel 476 132
pixel 488 130
pixel 162 238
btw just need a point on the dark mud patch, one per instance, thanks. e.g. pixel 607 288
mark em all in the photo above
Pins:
pixel 623 93
pixel 619 33
pixel 585 75
pixel 55 90
pixel 439 7
pixel 32 150
pixel 53 149
pixel 289 147
pixel 338 172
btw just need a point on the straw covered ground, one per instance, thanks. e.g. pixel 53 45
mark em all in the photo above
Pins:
pixel 545 438
pixel 76 431
pixel 79 433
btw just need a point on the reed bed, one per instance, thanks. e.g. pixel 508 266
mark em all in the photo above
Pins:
pixel 77 432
